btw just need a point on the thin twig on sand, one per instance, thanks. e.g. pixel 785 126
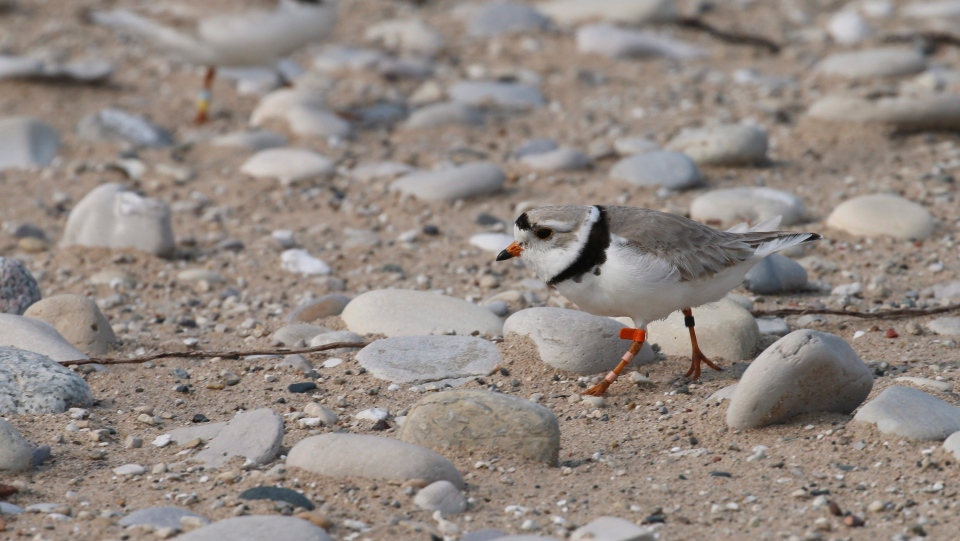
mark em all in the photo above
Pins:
pixel 226 354
pixel 884 314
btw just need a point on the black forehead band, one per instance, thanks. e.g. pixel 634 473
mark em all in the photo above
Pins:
pixel 523 222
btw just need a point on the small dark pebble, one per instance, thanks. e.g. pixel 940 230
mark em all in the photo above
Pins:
pixel 180 373
pixel 655 519
pixel 382 424
pixel 682 390
pixel 487 219
pixel 187 323
pixel 694 440
pixel 720 474
pixel 819 492
pixel 682 477
pixel 281 400
pixel 844 467
pixel 392 268
pixel 891 333
pixel 302 387
pixel 182 389
pixel 835 509
pixel 431 229
pixel 504 371
pixel 199 418
pixel 604 417
pixel 277 494
pixel 776 465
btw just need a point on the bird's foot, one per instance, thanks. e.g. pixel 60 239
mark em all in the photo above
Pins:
pixel 695 360
pixel 598 389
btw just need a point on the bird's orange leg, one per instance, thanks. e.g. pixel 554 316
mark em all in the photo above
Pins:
pixel 639 336
pixel 203 102
pixel 697 357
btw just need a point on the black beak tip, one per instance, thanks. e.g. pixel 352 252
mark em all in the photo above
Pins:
pixel 504 255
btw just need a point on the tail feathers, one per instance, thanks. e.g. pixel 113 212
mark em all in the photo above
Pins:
pixel 780 240
pixel 770 224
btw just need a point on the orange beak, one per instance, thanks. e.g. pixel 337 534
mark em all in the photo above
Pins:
pixel 514 250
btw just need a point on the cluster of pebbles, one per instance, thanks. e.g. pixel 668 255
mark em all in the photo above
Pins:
pixel 362 206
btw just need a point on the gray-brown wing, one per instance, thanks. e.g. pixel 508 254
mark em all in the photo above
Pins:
pixel 695 250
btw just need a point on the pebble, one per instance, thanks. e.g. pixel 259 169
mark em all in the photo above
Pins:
pixel 911 413
pixel 933 111
pixel 847 27
pixel 192 276
pixel 253 140
pixel 441 496
pixel 369 172
pixel 882 214
pixel 504 95
pixel 949 326
pixel 113 217
pixel 727 145
pixel 296 362
pixel 615 42
pixel 539 145
pixel 773 325
pixel 122 127
pixel 952 445
pixel 161 517
pixel 460 182
pixel 257 528
pixel 288 165
pixel 751 204
pixel 561 159
pixel 277 494
pixel 726 393
pixel 873 63
pixel 299 261
pixel 942 386
pixel 18 288
pixel 334 337
pixel 51 71
pixel 305 112
pixel 79 321
pixel 34 383
pixel 36 336
pixel 847 290
pixel 255 435
pixel 403 312
pixel 27 142
pixel 485 423
pixel 16 453
pixel 498 18
pixel 297 334
pixel 421 359
pixel 341 454
pixel 302 387
pixel 406 35
pixel 491 242
pixel 569 12
pixel 318 411
pixel 776 274
pixel 447 113
pixel 726 331
pixel 129 469
pixel 671 170
pixel 802 372
pixel 612 529
pixel 943 290
pixel 574 341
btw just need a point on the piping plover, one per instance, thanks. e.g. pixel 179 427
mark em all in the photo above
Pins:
pixel 253 36
pixel 641 263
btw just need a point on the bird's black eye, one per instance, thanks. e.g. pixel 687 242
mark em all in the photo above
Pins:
pixel 544 233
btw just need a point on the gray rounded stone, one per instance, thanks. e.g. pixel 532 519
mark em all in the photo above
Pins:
pixel 561 159
pixel 79 321
pixel 535 146
pixel 614 42
pixel 297 334
pixel 750 204
pixel 952 445
pixel 509 96
pixel 258 528
pixel 113 217
pixel 250 140
pixel 612 529
pixel 776 274
pixel 254 435
pixel 882 214
pixel 945 325
pixel 933 111
pixel 325 306
pixel 911 413
pixel 485 422
pixel 873 63
pixel 461 182
pixel 802 372
pixel 731 144
pixel 27 142
pixel 161 517
pixel 498 18
pixel 33 383
pixel 421 359
pixel 37 336
pixel 18 288
pixel 441 496
pixel 448 113
pixel 288 165
pixel 574 341
pixel 671 170
pixel 122 127
pixel 404 312
pixel 725 330
pixel 340 454
pixel 16 453
pixel 334 337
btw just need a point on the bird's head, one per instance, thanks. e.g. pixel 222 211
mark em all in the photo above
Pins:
pixel 549 239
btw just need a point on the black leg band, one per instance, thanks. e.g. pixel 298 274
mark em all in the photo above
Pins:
pixel 688 321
